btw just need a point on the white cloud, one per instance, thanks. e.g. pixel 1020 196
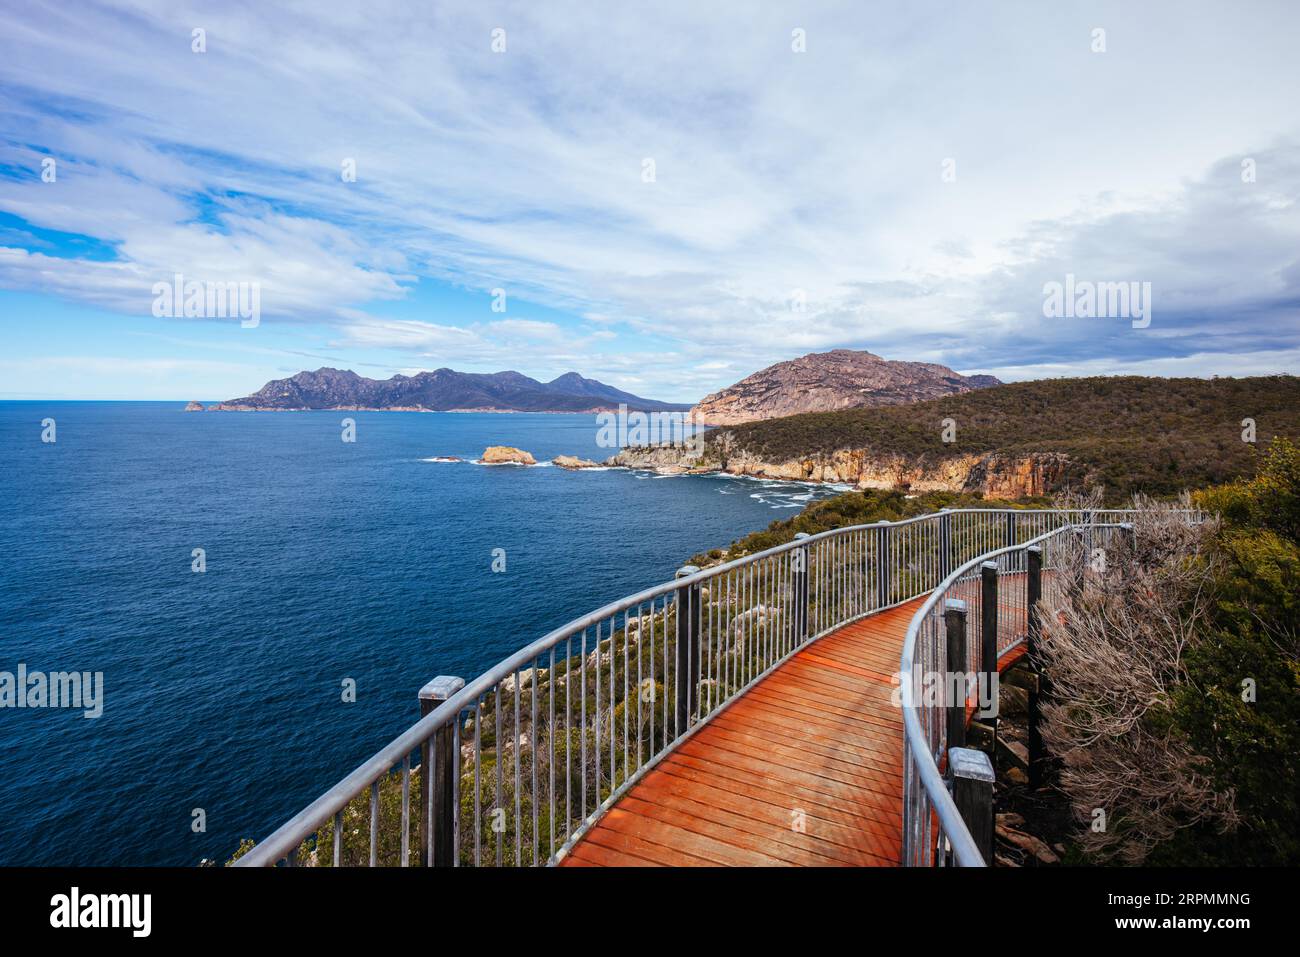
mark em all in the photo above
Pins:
pixel 775 172
pixel 527 329
pixel 408 334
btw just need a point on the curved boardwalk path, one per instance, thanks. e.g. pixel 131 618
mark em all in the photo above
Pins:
pixel 817 742
pixel 804 769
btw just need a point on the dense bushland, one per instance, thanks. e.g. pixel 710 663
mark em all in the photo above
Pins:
pixel 1241 704
pixel 1126 433
pixel 1176 682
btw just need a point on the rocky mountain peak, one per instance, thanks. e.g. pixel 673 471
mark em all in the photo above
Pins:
pixel 829 381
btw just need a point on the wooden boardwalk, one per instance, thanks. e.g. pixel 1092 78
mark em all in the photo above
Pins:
pixel 804 769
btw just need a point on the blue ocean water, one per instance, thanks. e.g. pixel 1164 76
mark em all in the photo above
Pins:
pixel 325 560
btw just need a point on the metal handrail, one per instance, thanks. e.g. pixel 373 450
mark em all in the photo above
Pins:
pixel 796 592
pixel 920 757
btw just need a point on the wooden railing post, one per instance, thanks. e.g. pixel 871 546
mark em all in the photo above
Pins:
pixel 1132 535
pixel 882 563
pixel 988 670
pixel 799 583
pixel 954 623
pixel 989 618
pixel 687 674
pixel 1033 634
pixel 971 773
pixel 439 768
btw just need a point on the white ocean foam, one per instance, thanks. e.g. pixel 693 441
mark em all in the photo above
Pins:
pixel 443 458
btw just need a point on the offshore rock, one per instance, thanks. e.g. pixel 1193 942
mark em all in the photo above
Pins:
pixel 506 455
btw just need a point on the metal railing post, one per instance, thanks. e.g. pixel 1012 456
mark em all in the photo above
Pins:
pixel 882 563
pixel 1011 529
pixel 945 543
pixel 954 623
pixel 687 673
pixel 1034 593
pixel 439 769
pixel 971 772
pixel 799 581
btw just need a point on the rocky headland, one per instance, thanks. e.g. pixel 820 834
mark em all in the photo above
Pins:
pixel 993 474
pixel 829 382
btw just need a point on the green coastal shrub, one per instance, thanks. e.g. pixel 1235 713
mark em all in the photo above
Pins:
pixel 1241 704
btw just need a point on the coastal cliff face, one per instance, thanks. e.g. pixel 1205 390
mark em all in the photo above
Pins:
pixel 996 475
pixel 830 381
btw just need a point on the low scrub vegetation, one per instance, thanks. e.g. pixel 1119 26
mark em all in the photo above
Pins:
pixel 1127 434
pixel 1175 702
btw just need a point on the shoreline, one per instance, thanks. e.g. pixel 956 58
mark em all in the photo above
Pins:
pixel 595 410
pixel 609 466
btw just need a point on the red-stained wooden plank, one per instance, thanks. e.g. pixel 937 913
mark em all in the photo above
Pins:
pixel 805 769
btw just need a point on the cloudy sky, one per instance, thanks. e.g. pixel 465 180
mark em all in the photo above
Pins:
pixel 669 199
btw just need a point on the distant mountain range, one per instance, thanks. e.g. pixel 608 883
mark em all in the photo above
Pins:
pixel 819 382
pixel 831 381
pixel 443 390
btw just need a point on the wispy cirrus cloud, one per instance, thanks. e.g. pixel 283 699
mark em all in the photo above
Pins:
pixel 796 202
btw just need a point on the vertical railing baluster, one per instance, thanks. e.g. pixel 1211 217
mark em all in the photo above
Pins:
pixel 582 734
pixel 568 735
pixel 687 678
pixel 596 799
pixel 374 823
pixel 498 799
pixel 480 702
pixel 532 754
pixel 799 578
pixel 550 752
pixel 517 747
pixel 884 550
pixel 1034 563
pixel 613 720
pixel 338 839
pixel 406 810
